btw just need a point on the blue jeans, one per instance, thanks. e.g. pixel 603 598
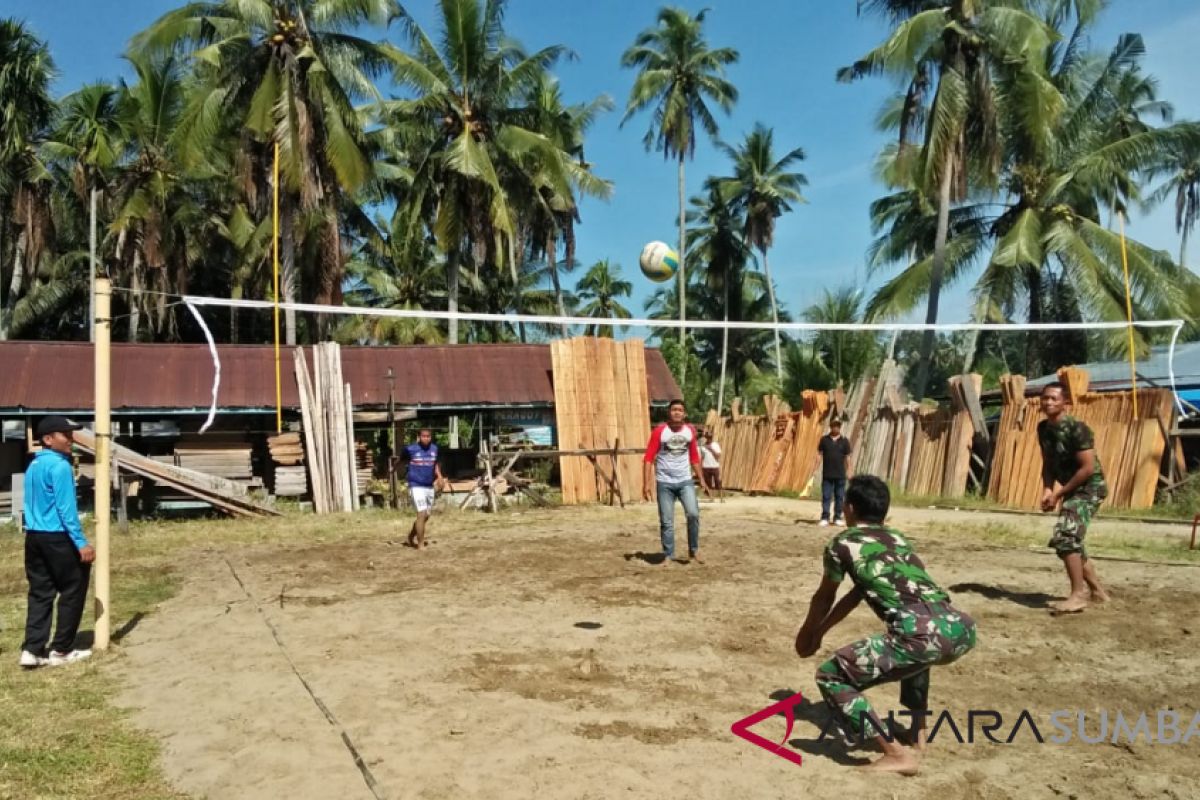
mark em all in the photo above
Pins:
pixel 832 489
pixel 686 494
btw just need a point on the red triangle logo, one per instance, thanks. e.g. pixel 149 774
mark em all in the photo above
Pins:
pixel 786 707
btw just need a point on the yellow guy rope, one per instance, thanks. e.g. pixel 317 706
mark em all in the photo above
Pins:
pixel 1129 316
pixel 275 258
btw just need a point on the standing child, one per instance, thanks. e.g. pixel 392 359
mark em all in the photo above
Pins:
pixel 923 629
pixel 710 461
pixel 58 558
pixel 673 455
pixel 1069 457
pixel 835 466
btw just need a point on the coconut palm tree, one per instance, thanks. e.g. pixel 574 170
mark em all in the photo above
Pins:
pixel 26 111
pixel 287 73
pixel 722 250
pixel 1182 183
pixel 1065 169
pixel 956 48
pixel 763 189
pixel 679 75
pixel 600 291
pixel 473 141
pixel 849 354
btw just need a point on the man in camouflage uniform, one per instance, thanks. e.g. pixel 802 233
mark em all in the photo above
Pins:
pixel 923 629
pixel 1069 458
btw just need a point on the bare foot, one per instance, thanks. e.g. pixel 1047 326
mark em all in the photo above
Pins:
pixel 1100 596
pixel 904 763
pixel 917 741
pixel 1072 605
pixel 696 557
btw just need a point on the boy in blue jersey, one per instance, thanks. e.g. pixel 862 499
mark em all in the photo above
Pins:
pixel 58 558
pixel 424 474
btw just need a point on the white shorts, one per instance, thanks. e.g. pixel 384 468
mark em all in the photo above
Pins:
pixel 422 497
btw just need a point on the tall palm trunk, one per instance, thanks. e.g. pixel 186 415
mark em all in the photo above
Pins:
pixel 287 268
pixel 1033 355
pixel 14 288
pixel 1183 249
pixel 552 265
pixel 452 294
pixel 774 314
pixel 724 351
pixel 935 274
pixel 682 281
pixel 452 335
pixel 135 296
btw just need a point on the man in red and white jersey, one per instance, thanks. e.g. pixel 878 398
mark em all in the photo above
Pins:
pixel 675 457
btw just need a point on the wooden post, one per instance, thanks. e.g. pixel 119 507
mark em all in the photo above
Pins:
pixel 616 462
pixel 391 379
pixel 490 491
pixel 103 424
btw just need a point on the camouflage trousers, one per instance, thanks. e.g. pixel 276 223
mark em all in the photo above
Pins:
pixel 1074 518
pixel 919 637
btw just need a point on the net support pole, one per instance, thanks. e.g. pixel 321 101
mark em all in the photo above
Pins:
pixel 103 487
pixel 1129 316
pixel 275 262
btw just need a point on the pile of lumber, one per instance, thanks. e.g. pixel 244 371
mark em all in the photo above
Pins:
pixel 741 437
pixel 1130 449
pixel 328 414
pixel 289 476
pixel 224 455
pixel 225 495
pixel 774 452
pixel 920 450
pixel 364 463
pixel 601 402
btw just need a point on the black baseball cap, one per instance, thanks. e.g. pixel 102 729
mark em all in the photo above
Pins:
pixel 56 424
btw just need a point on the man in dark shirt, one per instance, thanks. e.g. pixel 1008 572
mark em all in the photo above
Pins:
pixel 1069 458
pixel 835 464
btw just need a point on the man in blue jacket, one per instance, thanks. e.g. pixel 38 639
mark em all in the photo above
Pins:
pixel 58 558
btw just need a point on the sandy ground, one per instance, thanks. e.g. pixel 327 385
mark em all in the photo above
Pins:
pixel 539 655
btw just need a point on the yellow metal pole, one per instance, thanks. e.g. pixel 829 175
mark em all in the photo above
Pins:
pixel 103 488
pixel 275 259
pixel 1129 316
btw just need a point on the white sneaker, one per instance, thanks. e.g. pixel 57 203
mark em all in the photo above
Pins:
pixel 29 660
pixel 840 522
pixel 823 523
pixel 57 659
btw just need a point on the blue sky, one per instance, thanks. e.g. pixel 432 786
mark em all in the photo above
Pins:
pixel 790 50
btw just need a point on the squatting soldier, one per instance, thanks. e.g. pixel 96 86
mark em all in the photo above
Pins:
pixel 923 629
pixel 1069 458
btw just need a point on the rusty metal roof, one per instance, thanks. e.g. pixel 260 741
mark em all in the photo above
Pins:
pixel 58 376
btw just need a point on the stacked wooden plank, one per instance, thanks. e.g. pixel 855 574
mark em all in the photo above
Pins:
pixel 742 437
pixel 289 475
pixel 225 495
pixel 1130 448
pixel 601 402
pixel 225 455
pixel 364 463
pixel 328 414
pixel 809 424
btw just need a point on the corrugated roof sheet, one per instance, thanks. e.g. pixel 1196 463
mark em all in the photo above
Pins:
pixel 1114 375
pixel 58 376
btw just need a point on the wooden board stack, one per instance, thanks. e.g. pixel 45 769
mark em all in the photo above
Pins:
pixel 742 437
pixel 364 463
pixel 225 455
pixel 327 412
pixel 601 401
pixel 289 475
pixel 1130 450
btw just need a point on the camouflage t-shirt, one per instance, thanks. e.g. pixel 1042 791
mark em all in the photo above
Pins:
pixel 884 568
pixel 1061 443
